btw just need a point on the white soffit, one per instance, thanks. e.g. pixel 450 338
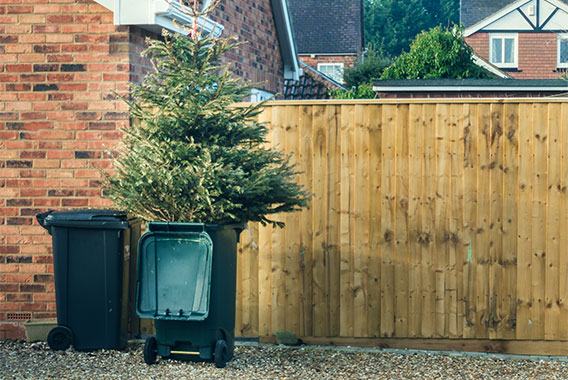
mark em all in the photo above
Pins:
pixel 155 15
pixel 529 9
pixel 511 21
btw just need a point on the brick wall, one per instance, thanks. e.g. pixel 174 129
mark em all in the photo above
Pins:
pixel 259 60
pixel 537 54
pixel 60 61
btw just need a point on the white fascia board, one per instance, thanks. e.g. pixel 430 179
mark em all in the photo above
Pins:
pixel 508 9
pixel 285 34
pixel 463 89
pixel 489 67
pixel 156 14
pixel 494 17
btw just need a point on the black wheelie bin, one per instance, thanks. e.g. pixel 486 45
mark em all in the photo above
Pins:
pixel 88 259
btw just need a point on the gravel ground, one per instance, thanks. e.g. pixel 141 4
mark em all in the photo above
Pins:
pixel 257 361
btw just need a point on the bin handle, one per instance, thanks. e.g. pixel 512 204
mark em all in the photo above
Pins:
pixel 41 218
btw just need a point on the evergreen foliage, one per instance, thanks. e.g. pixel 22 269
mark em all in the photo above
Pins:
pixel 367 68
pixel 393 24
pixel 437 54
pixel 192 156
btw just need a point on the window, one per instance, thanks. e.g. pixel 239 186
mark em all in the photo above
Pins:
pixel 503 50
pixel 332 70
pixel 563 50
pixel 257 95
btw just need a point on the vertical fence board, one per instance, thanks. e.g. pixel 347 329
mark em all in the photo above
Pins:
pixel 495 226
pixel 524 241
pixel 306 257
pixel 428 235
pixel 563 260
pixel 388 220
pixel 442 216
pixel 457 305
pixel 346 223
pixel 552 257
pixel 471 165
pixel 415 156
pixel 375 189
pixel 483 219
pixel 540 189
pixel 361 215
pixel 278 242
pixel 401 249
pixel 319 213
pixel 334 143
pixel 508 293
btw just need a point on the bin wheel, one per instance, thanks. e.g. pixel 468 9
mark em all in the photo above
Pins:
pixel 221 354
pixel 151 350
pixel 60 338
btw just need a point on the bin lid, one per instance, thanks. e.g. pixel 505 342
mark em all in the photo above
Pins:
pixel 174 275
pixel 110 219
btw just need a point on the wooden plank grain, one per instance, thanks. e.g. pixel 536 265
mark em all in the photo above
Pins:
pixel 375 196
pixel 524 223
pixel 483 220
pixel 539 212
pixel 319 221
pixel 553 215
pixel 510 220
pixel 278 243
pixel 471 166
pixel 306 238
pixel 360 219
pixel 346 223
pixel 388 220
pixel 563 260
pixel 265 255
pixel 427 239
pixel 415 175
pixel 334 163
pixel 454 298
pixel 496 219
pixel 443 171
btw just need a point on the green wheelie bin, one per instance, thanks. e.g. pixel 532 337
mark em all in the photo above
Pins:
pixel 187 283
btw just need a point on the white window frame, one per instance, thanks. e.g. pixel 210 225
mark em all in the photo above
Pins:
pixel 503 36
pixel 339 64
pixel 561 37
pixel 258 95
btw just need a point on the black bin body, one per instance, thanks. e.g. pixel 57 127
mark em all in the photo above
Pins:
pixel 87 258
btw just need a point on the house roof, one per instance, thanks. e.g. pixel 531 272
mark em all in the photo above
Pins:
pixel 470 85
pixel 473 11
pixel 327 26
pixel 483 12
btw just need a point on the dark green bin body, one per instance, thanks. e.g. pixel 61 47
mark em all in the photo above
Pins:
pixel 87 259
pixel 196 332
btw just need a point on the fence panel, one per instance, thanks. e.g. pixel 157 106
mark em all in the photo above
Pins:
pixel 429 219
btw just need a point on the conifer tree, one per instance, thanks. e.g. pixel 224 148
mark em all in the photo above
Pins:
pixel 192 155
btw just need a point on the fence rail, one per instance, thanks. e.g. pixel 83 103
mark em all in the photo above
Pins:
pixel 429 219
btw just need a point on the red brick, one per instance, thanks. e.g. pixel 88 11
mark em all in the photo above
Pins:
pixel 19 278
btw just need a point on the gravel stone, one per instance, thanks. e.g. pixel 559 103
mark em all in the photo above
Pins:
pixel 19 360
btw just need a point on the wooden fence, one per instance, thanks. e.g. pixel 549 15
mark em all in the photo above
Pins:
pixel 429 219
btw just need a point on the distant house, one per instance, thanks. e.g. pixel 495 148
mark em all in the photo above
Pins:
pixel 60 62
pixel 328 34
pixel 469 88
pixel 526 38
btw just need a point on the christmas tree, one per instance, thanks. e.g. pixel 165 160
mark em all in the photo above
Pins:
pixel 192 155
